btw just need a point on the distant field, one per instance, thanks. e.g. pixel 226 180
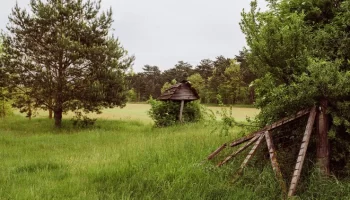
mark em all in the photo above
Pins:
pixel 139 112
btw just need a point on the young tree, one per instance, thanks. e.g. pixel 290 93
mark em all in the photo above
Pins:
pixel 299 52
pixel 198 83
pixel 62 51
pixel 216 80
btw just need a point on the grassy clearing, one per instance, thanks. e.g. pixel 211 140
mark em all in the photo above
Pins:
pixel 131 160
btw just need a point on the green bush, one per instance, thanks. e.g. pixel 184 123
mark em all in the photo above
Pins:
pixel 166 113
pixel 5 109
pixel 82 121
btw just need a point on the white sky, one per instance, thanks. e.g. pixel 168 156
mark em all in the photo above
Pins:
pixel 163 32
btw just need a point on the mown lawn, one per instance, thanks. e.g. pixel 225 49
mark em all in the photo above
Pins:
pixel 131 160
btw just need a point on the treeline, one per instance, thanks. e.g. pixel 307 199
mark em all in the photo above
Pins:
pixel 223 80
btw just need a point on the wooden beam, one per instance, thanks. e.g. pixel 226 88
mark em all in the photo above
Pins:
pixel 274 163
pixel 245 138
pixel 270 127
pixel 181 109
pixel 322 143
pixel 302 152
pixel 251 152
pixel 217 151
pixel 238 151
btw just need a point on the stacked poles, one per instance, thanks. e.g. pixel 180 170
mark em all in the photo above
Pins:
pixel 258 136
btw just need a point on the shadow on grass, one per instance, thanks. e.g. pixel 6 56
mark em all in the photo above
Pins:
pixel 23 126
pixel 39 166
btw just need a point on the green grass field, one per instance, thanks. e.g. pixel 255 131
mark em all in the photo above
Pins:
pixel 128 159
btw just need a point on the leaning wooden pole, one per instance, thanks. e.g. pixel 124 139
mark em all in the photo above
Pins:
pixel 217 151
pixel 238 151
pixel 272 126
pixel 302 152
pixel 274 163
pixel 251 152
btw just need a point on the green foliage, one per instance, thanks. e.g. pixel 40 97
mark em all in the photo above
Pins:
pixel 224 76
pixel 297 51
pixel 131 95
pixel 62 52
pixel 197 82
pixel 5 109
pixel 167 85
pixel 166 113
pixel 82 121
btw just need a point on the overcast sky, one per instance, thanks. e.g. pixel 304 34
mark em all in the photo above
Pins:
pixel 163 32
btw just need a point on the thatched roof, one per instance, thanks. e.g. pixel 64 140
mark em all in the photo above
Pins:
pixel 180 91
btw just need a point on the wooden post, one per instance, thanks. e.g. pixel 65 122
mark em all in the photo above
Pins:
pixel 302 152
pixel 274 163
pixel 181 109
pixel 322 154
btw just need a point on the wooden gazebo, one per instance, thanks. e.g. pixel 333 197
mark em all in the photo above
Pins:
pixel 182 92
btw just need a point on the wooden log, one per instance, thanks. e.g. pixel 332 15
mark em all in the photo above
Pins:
pixel 274 163
pixel 181 109
pixel 322 153
pixel 251 152
pixel 217 151
pixel 238 151
pixel 270 127
pixel 302 153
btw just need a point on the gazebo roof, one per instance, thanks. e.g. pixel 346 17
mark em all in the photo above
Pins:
pixel 180 91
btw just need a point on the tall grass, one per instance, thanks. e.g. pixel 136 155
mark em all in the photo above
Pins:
pixel 132 160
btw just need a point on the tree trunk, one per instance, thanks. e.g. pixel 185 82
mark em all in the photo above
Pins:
pixel 29 111
pixel 3 108
pixel 50 108
pixel 58 109
pixel 50 113
pixel 3 111
pixel 322 138
pixel 252 95
pixel 58 118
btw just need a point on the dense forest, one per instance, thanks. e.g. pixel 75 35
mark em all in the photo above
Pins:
pixel 223 80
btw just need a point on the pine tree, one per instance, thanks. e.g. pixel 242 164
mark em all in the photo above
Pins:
pixel 62 52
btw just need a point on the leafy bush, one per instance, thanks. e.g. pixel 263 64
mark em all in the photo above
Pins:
pixel 5 109
pixel 166 113
pixel 131 95
pixel 82 121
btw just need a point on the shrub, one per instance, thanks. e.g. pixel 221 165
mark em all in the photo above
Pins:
pixel 166 113
pixel 82 121
pixel 5 109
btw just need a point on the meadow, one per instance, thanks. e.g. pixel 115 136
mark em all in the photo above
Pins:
pixel 124 157
pixel 138 112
